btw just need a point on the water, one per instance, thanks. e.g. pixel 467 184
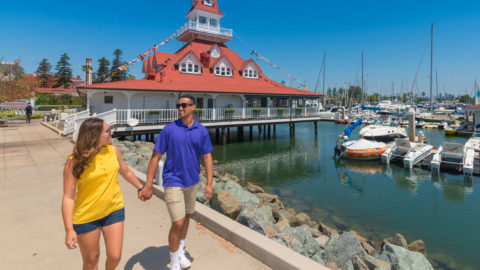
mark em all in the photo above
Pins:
pixel 373 199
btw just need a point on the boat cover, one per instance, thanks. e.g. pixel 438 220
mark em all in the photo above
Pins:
pixel 349 129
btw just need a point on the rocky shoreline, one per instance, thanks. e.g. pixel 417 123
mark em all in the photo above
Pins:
pixel 265 213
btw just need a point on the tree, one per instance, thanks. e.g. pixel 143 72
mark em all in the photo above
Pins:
pixel 43 71
pixel 467 99
pixel 64 72
pixel 102 72
pixel 116 63
pixel 14 84
pixel 131 77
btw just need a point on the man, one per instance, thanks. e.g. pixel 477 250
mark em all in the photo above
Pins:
pixel 184 140
pixel 28 112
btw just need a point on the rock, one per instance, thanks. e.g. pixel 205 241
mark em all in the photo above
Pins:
pixel 142 165
pixel 281 214
pixel 232 177
pixel 397 239
pixel 358 264
pixel 254 188
pixel 149 145
pixel 331 265
pixel 418 246
pixel 312 246
pixel 241 194
pixel 318 257
pixel 280 241
pixel 303 235
pixel 201 194
pixel 218 186
pixel 365 243
pixel 131 159
pixel 322 227
pixel 322 240
pixel 374 263
pixel 315 232
pixel 348 266
pixel 203 179
pixel 287 237
pixel 122 148
pixel 267 213
pixel 282 225
pixel 299 220
pixel 226 203
pixel 404 259
pixel 341 250
pixel 301 250
pixel 251 217
pixel 216 174
pixel 266 197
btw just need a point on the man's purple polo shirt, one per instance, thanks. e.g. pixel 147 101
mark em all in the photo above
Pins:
pixel 183 146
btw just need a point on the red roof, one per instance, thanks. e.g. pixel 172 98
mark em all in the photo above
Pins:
pixel 171 79
pixel 59 90
pixel 200 5
pixel 474 107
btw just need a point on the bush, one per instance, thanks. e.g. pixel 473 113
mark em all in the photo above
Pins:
pixel 256 110
pixel 299 110
pixel 280 110
pixel 229 110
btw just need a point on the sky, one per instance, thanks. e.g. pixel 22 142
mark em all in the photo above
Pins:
pixel 393 34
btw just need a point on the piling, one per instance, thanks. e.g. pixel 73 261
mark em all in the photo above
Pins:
pixel 411 125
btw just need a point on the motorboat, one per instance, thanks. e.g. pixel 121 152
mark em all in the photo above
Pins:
pixel 443 125
pixel 454 157
pixel 358 149
pixel 406 152
pixel 450 131
pixel 382 133
pixel 420 124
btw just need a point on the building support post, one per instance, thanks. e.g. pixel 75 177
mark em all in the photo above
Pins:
pixel 224 136
pixel 260 132
pixel 251 133
pixel 315 123
pixel 217 135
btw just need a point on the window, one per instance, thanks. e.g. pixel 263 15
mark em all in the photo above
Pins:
pixel 189 67
pixel 223 71
pixel 199 103
pixel 183 68
pixel 208 2
pixel 108 100
pixel 250 73
pixel 213 23
pixel 202 20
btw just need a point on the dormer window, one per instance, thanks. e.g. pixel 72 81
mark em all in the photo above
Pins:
pixel 223 71
pixel 250 73
pixel 208 2
pixel 190 68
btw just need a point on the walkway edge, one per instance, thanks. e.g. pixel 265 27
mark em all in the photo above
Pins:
pixel 58 131
pixel 267 251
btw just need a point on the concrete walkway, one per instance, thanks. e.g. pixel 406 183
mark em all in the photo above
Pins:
pixel 32 233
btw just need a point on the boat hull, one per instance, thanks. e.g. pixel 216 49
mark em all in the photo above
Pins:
pixel 365 154
pixel 384 138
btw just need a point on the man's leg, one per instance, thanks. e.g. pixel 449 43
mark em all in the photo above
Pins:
pixel 175 234
pixel 176 208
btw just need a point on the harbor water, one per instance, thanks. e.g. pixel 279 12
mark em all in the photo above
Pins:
pixel 374 199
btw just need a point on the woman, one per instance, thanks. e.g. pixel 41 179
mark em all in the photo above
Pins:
pixel 92 199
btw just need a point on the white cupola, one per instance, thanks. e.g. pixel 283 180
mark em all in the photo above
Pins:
pixel 204 23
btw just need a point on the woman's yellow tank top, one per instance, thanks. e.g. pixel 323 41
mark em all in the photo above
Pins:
pixel 98 191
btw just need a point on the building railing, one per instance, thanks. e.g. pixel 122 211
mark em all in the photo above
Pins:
pixel 195 26
pixel 164 116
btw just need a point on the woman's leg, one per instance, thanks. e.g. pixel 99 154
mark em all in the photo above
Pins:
pixel 113 235
pixel 90 249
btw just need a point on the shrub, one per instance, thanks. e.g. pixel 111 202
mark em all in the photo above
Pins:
pixel 280 110
pixel 229 110
pixel 256 110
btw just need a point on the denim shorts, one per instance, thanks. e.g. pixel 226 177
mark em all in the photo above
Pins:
pixel 115 217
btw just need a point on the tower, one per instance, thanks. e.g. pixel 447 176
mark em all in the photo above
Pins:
pixel 204 23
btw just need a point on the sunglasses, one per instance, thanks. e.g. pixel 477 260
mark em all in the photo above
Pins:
pixel 183 105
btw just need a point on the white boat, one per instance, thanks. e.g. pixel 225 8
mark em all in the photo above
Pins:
pixel 382 133
pixel 410 153
pixel 454 157
pixel 362 150
pixel 420 124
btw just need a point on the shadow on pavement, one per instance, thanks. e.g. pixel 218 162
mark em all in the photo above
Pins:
pixel 152 258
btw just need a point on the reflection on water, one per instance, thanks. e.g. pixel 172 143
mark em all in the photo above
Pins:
pixel 377 200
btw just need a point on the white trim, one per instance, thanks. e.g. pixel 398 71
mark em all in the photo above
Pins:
pixel 250 71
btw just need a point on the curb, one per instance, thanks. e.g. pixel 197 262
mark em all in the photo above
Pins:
pixel 58 131
pixel 267 251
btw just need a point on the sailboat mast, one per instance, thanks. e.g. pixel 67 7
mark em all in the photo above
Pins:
pixel 431 71
pixel 362 93
pixel 436 84
pixel 324 67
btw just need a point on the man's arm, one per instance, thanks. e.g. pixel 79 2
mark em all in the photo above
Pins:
pixel 146 193
pixel 209 170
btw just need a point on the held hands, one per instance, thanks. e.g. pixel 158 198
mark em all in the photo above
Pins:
pixel 208 192
pixel 71 239
pixel 145 193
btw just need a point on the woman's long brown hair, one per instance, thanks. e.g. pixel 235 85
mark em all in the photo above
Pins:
pixel 87 145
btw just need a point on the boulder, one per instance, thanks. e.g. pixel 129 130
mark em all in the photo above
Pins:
pixel 341 250
pixel 218 186
pixel 331 265
pixel 251 217
pixel 348 266
pixel 241 194
pixel 142 165
pixel 278 240
pixel 254 188
pixel 216 174
pixel 266 197
pixel 201 194
pixel 322 240
pixel 397 239
pixel 122 148
pixel 404 259
pixel 131 158
pixel 232 177
pixel 288 238
pixel 282 225
pixel 374 263
pixel 315 232
pixel 299 220
pixel 226 203
pixel 418 246
pixel 365 243
pixel 281 214
pixel 303 235
pixel 358 263
pixel 301 250
pixel 328 231
pixel 266 211
pixel 318 257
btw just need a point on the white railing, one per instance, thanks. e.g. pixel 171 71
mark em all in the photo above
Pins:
pixel 205 29
pixel 162 116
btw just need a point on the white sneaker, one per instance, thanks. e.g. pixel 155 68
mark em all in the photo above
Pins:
pixel 175 267
pixel 184 261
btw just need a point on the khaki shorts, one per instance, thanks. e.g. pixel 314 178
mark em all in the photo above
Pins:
pixel 180 201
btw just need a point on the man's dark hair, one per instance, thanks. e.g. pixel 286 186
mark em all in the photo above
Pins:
pixel 189 97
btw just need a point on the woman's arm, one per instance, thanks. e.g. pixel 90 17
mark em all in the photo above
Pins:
pixel 68 203
pixel 126 172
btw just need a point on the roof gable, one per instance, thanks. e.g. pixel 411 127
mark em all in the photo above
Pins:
pixel 225 59
pixel 198 4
